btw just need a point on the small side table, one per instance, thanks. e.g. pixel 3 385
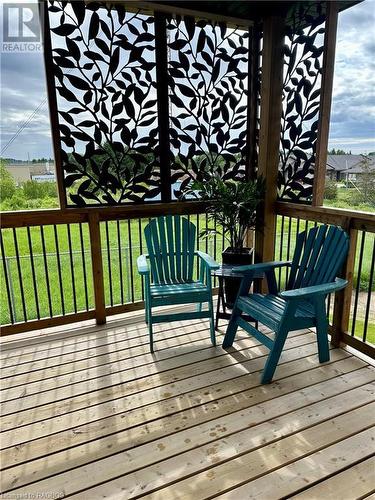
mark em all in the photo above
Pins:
pixel 226 271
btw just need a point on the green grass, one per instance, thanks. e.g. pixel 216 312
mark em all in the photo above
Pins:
pixel 346 198
pixel 116 292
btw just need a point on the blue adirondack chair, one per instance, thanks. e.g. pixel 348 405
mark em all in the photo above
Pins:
pixel 168 271
pixel 317 260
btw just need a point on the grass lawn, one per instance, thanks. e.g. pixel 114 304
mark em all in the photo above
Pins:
pixel 122 282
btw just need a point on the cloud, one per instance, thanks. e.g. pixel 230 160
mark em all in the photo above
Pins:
pixel 353 109
pixel 353 103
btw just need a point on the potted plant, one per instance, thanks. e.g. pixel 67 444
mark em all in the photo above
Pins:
pixel 232 206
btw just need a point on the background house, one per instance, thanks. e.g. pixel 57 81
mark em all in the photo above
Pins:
pixel 346 167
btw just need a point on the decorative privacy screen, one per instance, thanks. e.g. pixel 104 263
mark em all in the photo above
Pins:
pixel 120 77
pixel 303 54
pixel 104 66
pixel 208 73
pixel 104 61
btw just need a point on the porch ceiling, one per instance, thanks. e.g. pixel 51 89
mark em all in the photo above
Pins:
pixel 247 10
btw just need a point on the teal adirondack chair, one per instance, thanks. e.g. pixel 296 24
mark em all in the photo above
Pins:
pixel 317 260
pixel 168 272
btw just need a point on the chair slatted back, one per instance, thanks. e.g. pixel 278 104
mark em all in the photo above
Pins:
pixel 171 243
pixel 318 256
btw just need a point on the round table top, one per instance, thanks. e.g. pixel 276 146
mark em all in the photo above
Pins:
pixel 227 271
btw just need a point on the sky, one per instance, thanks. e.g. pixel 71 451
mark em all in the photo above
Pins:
pixel 353 109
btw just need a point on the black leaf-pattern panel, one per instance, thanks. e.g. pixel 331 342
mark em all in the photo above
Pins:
pixel 208 87
pixel 303 54
pixel 104 67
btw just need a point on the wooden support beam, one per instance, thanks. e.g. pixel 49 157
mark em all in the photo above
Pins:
pixel 97 268
pixel 269 134
pixel 181 10
pixel 161 55
pixel 343 298
pixel 252 101
pixel 325 103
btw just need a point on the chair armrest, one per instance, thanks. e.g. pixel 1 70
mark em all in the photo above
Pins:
pixel 211 263
pixel 261 267
pixel 311 291
pixel 142 264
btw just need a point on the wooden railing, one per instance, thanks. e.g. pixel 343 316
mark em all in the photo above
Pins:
pixel 352 311
pixel 59 267
pixel 63 266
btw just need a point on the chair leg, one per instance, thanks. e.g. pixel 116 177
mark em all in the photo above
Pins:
pixel 212 321
pixel 274 355
pixel 150 333
pixel 199 307
pixel 149 322
pixel 231 329
pixel 146 311
pixel 322 331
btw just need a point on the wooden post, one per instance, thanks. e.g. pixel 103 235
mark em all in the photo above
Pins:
pixel 161 55
pixel 269 134
pixel 343 298
pixel 252 102
pixel 97 268
pixel 325 103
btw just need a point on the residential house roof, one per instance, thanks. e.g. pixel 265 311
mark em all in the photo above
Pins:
pixel 347 163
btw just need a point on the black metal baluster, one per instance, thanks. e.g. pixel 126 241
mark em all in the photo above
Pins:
pixel 3 258
pixel 288 249
pixel 357 288
pixel 215 238
pixel 206 235
pixel 306 230
pixel 198 260
pixel 59 270
pixel 141 252
pixel 120 262
pixel 72 269
pixel 46 271
pixel 368 302
pixel 281 247
pixel 215 248
pixel 84 265
pixel 131 260
pixel 36 297
pixel 20 274
pixel 109 264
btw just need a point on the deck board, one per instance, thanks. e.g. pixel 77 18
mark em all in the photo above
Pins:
pixel 93 414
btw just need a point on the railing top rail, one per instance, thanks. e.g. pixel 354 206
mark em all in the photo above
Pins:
pixel 340 216
pixel 350 219
pixel 76 215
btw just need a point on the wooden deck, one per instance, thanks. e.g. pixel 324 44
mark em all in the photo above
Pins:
pixel 89 413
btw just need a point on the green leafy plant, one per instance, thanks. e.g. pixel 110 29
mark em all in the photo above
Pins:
pixel 231 205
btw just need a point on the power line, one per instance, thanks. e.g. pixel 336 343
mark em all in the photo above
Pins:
pixel 23 126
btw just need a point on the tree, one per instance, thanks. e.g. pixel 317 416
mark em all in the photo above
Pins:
pixel 330 190
pixel 7 184
pixel 366 181
pixel 334 151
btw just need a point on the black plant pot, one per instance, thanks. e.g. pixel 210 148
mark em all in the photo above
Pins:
pixel 236 258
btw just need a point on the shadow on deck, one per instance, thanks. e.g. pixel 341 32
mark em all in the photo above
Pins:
pixel 89 412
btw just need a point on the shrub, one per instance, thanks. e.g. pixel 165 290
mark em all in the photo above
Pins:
pixel 330 191
pixel 7 184
pixel 34 190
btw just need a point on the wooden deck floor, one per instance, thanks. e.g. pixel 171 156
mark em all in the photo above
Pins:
pixel 89 413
